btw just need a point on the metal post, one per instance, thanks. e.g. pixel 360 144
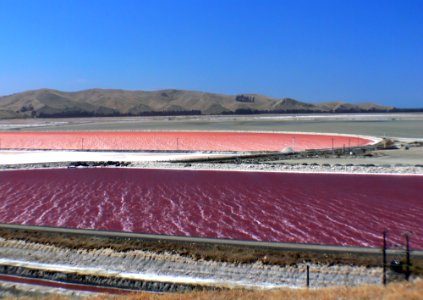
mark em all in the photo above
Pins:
pixel 177 143
pixel 384 257
pixel 308 276
pixel 332 144
pixel 407 258
pixel 82 143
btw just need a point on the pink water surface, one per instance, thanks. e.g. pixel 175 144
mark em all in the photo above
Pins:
pixel 192 141
pixel 285 207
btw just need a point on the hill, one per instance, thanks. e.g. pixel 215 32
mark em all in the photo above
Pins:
pixel 48 103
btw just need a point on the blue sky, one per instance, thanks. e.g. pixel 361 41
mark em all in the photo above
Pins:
pixel 313 51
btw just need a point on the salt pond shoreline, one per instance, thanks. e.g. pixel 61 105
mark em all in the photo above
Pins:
pixel 259 167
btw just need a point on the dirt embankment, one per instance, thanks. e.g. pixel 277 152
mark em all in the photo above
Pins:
pixel 196 251
pixel 166 271
pixel 177 266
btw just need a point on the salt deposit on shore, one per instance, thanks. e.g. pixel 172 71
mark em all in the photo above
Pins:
pixel 37 159
pixel 12 157
pixel 302 168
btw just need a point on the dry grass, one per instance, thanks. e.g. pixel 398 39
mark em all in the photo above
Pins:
pixel 413 290
pixel 392 291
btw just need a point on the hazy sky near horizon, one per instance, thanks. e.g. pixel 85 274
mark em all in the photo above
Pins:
pixel 313 51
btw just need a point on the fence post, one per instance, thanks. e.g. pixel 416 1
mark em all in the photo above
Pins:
pixel 407 256
pixel 308 276
pixel 384 257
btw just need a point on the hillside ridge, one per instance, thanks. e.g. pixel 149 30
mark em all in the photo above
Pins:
pixel 48 103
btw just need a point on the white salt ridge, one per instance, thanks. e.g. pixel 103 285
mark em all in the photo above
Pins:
pixel 13 157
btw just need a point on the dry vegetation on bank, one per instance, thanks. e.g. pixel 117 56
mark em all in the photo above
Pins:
pixel 413 290
pixel 392 291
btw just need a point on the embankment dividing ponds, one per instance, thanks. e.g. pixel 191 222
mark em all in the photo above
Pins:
pixel 108 259
pixel 167 270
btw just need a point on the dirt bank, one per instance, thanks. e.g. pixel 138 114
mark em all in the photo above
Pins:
pixel 165 270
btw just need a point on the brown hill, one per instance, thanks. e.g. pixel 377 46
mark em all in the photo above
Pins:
pixel 103 102
pixel 342 107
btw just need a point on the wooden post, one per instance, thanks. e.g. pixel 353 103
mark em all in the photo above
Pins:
pixel 384 257
pixel 407 256
pixel 308 276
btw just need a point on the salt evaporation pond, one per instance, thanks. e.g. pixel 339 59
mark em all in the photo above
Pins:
pixel 334 209
pixel 167 141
